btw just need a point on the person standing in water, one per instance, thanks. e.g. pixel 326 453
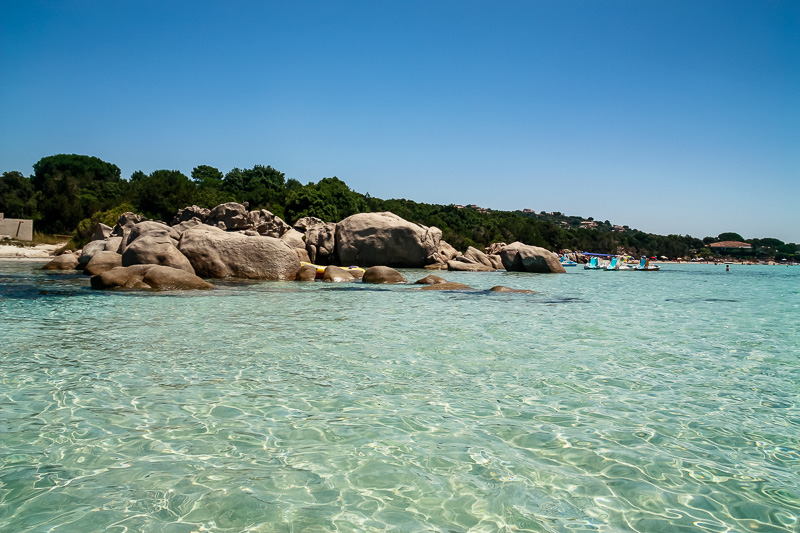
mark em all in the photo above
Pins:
pixel 727 268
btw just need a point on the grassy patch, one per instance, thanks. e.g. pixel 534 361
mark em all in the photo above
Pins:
pixel 38 238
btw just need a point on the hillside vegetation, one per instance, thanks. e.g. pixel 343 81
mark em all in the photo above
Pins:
pixel 69 194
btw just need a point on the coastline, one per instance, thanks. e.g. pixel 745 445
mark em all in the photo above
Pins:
pixel 40 252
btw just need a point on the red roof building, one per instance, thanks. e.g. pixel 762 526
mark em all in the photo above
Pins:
pixel 730 246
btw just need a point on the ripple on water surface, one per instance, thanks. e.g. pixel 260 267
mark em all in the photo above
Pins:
pixel 605 401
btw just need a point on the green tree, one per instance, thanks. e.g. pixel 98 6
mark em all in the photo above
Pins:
pixel 730 236
pixel 206 176
pixel 17 196
pixel 260 186
pixel 162 193
pixel 346 201
pixel 308 202
pixel 72 187
pixel 209 187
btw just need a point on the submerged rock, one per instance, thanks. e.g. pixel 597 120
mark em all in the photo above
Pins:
pixel 430 280
pixel 501 288
pixel 154 277
pixel 449 286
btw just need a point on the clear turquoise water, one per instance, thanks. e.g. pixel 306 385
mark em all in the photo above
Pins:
pixel 608 401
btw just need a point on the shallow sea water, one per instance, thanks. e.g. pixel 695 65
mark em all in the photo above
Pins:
pixel 607 401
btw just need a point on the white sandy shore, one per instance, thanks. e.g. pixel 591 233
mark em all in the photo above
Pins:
pixel 40 252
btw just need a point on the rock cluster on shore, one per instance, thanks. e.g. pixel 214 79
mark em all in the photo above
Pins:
pixel 231 242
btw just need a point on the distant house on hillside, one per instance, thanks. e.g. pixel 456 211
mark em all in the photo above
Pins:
pixel 730 246
pixel 589 224
pixel 16 228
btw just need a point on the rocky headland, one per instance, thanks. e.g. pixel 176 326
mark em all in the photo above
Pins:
pixel 231 242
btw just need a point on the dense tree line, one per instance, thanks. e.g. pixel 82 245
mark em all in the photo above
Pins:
pixel 70 193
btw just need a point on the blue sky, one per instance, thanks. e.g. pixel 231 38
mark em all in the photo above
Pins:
pixel 668 116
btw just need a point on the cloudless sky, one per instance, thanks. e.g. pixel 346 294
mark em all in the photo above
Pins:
pixel 668 116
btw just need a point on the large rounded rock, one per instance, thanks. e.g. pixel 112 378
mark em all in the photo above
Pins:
pixel 155 277
pixel 150 226
pixel 369 239
pixel 382 274
pixel 103 261
pixel 519 257
pixel 217 254
pixel 154 247
pixel 63 262
pixel 147 227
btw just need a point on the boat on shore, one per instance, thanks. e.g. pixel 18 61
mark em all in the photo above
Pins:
pixel 645 266
pixel 567 262
pixel 593 264
pixel 616 261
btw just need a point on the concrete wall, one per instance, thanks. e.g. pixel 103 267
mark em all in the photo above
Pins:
pixel 18 228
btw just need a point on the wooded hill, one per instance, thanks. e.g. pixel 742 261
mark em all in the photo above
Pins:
pixel 69 194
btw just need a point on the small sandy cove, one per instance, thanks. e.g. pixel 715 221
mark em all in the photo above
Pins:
pixel 40 252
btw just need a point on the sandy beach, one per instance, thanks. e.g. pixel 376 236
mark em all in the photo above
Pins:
pixel 40 252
